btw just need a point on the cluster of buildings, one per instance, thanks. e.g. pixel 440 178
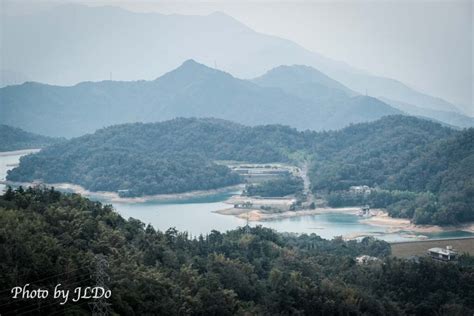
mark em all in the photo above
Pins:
pixel 360 189
pixel 447 254
pixel 258 173
pixel 365 211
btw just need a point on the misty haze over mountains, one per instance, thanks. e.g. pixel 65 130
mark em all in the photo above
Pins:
pixel 191 90
pixel 258 177
pixel 74 43
pixel 299 96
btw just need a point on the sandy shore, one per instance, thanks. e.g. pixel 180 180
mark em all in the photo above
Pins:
pixel 18 152
pixel 395 225
pixel 113 197
pixel 380 218
pixel 281 202
pixel 256 215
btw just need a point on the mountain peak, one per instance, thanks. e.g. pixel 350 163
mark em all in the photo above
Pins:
pixel 220 14
pixel 191 66
pixel 191 63
pixel 192 70
pixel 304 73
pixel 303 81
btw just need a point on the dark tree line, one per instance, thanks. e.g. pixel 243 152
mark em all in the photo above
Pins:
pixel 49 237
pixel 276 188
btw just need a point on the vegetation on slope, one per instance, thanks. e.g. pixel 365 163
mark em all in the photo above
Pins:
pixel 276 188
pixel 12 138
pixel 50 238
pixel 371 154
pixel 169 157
pixel 421 170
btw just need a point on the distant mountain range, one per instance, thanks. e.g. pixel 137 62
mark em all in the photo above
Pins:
pixel 12 138
pixel 311 84
pixel 314 102
pixel 305 82
pixel 74 43
pixel 453 119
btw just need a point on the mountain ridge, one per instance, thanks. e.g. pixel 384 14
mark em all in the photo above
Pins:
pixel 242 51
pixel 190 90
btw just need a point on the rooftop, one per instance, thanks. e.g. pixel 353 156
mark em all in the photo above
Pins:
pixel 444 251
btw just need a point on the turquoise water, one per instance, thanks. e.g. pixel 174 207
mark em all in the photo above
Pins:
pixel 192 215
pixel 196 216
pixel 6 163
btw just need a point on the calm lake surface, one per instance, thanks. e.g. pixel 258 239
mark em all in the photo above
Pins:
pixel 195 216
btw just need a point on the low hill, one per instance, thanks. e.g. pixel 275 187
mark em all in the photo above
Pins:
pixel 371 153
pixel 168 157
pixel 421 170
pixel 446 168
pixel 12 138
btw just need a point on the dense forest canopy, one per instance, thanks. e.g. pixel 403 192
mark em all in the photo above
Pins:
pixel 169 157
pixel 288 185
pixel 400 160
pixel 395 153
pixel 240 272
pixel 371 154
pixel 12 138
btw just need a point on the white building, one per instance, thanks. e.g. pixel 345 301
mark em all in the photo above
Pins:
pixel 365 259
pixel 445 254
pixel 360 189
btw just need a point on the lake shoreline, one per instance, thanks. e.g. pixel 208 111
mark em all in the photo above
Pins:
pixel 19 152
pixel 113 197
pixel 396 225
pixel 257 215
pixel 391 226
pixel 380 218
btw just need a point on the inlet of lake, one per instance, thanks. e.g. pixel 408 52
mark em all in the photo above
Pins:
pixel 196 216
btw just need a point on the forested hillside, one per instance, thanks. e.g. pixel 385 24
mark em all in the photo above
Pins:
pixel 288 185
pixel 425 173
pixel 12 138
pixel 169 157
pixel 429 164
pixel 241 272
pixel 446 168
pixel 371 154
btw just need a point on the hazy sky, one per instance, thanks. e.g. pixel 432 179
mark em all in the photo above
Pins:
pixel 425 44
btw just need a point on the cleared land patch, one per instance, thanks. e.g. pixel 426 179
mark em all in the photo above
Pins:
pixel 419 248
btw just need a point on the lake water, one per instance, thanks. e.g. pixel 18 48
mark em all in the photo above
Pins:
pixel 7 162
pixel 197 217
